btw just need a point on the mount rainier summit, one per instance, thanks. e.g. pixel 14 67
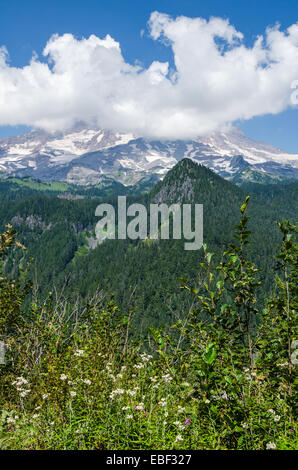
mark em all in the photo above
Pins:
pixel 85 155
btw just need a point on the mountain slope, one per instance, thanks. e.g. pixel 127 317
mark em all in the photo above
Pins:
pixel 140 274
pixel 84 156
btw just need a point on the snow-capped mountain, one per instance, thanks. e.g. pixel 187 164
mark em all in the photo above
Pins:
pixel 86 155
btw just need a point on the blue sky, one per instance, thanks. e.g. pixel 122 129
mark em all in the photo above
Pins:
pixel 26 26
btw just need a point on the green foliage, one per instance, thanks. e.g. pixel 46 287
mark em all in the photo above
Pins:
pixel 12 292
pixel 278 346
pixel 75 378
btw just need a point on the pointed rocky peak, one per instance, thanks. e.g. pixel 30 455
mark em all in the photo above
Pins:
pixel 190 182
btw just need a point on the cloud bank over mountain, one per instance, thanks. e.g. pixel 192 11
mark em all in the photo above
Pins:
pixel 217 80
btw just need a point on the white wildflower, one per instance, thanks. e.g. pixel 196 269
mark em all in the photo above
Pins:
pixel 140 407
pixel 86 381
pixel 79 352
pixel 10 420
pixel 163 402
pixel 73 394
pixel 20 381
pixel 117 392
pixel 146 357
pixel 63 377
pixel 284 364
pixel 20 384
pixel 270 445
pixel 245 425
pixel 167 378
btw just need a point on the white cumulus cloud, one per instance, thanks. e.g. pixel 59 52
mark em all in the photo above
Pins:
pixel 217 80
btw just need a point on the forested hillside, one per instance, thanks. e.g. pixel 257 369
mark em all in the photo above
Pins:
pixel 143 275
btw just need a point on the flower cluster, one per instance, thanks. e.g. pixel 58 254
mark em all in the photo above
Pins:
pixel 167 378
pixel 146 357
pixel 79 353
pixel 22 386
pixel 179 425
pixel 117 392
pixel 275 416
pixel 178 438
pixel 271 446
pixel 12 420
pixel 163 402
pixel 139 407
